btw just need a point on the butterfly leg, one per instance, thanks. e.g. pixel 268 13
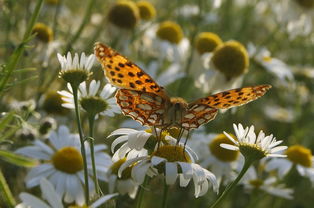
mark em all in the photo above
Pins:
pixel 179 136
pixel 185 142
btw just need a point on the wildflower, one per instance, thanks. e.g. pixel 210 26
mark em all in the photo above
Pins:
pixel 93 99
pixel 146 9
pixel 272 65
pixel 166 41
pixel 297 155
pixel 52 103
pixel 124 14
pixel 270 185
pixel 46 125
pixel 279 113
pixel 77 70
pixel 172 162
pixel 206 42
pixel 53 198
pixel 231 59
pixel 63 164
pixel 43 32
pixel 254 147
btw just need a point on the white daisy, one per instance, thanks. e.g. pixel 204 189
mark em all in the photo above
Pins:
pixel 53 198
pixel 172 162
pixel 84 63
pixel 254 146
pixel 62 164
pixel 279 113
pixel 272 65
pixel 298 156
pixel 163 49
pixel 251 181
pixel 92 98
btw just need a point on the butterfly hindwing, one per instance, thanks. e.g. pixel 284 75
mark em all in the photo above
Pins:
pixel 145 107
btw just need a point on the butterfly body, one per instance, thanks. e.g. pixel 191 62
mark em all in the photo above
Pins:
pixel 141 98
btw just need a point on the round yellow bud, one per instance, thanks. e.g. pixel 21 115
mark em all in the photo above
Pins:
pixel 147 10
pixel 170 31
pixel 43 32
pixel 207 42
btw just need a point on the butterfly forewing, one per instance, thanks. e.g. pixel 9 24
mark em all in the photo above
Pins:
pixel 232 98
pixel 145 107
pixel 123 73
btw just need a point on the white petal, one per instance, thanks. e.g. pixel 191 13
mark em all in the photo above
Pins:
pixel 103 200
pixel 50 194
pixel 171 173
pixel 33 201
pixel 229 147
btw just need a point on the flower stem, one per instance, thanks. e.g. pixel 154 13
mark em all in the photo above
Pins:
pixel 165 195
pixel 5 192
pixel 15 57
pixel 91 120
pixel 140 193
pixel 245 167
pixel 83 151
pixel 85 20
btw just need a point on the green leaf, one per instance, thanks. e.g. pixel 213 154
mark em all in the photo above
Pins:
pixel 17 159
pixel 6 120
pixel 5 192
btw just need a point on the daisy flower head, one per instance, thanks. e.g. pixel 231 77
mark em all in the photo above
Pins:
pixel 93 99
pixel 167 41
pixel 76 70
pixel 50 195
pixel 298 156
pixel 62 164
pixel 252 181
pixel 173 162
pixel 254 147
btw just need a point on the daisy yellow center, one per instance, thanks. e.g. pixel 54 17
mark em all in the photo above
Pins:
pixel 77 206
pixel 256 183
pixel 115 168
pixel 53 103
pixel 231 59
pixel 147 10
pixel 267 58
pixel 173 154
pixel 43 32
pixel 306 4
pixel 93 104
pixel 170 31
pixel 220 153
pixel 300 155
pixel 124 14
pixel 68 160
pixel 207 42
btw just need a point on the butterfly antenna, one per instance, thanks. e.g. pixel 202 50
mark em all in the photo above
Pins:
pixel 180 136
pixel 186 140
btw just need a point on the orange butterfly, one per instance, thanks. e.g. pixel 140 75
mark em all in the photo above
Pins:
pixel 141 98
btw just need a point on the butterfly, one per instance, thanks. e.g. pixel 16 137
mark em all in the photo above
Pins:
pixel 141 98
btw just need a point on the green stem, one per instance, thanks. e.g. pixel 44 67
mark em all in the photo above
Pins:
pixel 165 195
pixel 15 57
pixel 245 167
pixel 5 193
pixel 83 151
pixel 86 18
pixel 91 120
pixel 140 193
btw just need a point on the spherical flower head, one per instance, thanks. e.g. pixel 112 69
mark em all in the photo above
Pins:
pixel 124 14
pixel 170 31
pixel 68 160
pixel 207 42
pixel 254 147
pixel 146 9
pixel 93 105
pixel 306 4
pixel 220 153
pixel 53 103
pixel 43 32
pixel 299 155
pixel 172 154
pixel 231 59
pixel 77 70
